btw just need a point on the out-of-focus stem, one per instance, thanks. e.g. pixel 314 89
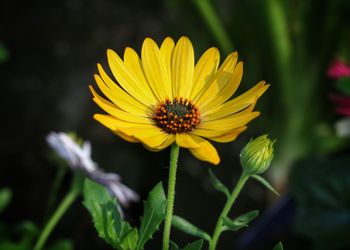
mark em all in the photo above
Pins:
pixel 75 190
pixel 277 22
pixel 215 25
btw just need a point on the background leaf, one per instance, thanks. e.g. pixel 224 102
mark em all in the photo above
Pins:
pixel 4 54
pixel 343 85
pixel 240 221
pixel 186 227
pixel 321 189
pixel 64 244
pixel 5 198
pixel 23 239
pixel 153 215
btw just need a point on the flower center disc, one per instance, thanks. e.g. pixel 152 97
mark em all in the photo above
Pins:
pixel 177 116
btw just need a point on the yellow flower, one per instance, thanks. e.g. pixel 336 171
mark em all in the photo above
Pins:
pixel 164 97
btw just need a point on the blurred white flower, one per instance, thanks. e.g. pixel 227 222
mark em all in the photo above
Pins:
pixel 79 159
pixel 342 127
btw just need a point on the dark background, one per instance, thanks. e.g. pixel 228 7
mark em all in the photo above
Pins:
pixel 54 47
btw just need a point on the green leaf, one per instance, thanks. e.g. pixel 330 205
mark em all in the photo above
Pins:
pixel 173 246
pixel 197 245
pixel 343 84
pixel 153 215
pixel 218 185
pixel 240 221
pixel 106 217
pixel 96 192
pixel 186 227
pixel 64 244
pixel 265 183
pixel 129 242
pixel 5 198
pixel 279 246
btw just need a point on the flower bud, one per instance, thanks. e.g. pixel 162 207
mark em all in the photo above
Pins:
pixel 257 155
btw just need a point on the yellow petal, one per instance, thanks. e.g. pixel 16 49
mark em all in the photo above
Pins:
pixel 170 139
pixel 116 112
pixel 182 67
pixel 155 70
pixel 227 89
pixel 217 83
pixel 212 133
pixel 204 70
pixel 109 122
pixel 152 137
pixel 126 137
pixel 122 99
pixel 206 151
pixel 149 135
pixel 127 80
pixel 133 63
pixel 186 140
pixel 231 136
pixel 228 123
pixel 114 123
pixel 220 135
pixel 247 99
pixel 166 50
pixel 253 93
pixel 223 111
pixel 199 147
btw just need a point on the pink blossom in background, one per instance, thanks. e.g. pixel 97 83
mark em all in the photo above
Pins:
pixel 338 69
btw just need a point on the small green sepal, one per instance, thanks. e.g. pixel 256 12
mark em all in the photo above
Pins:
pixel 265 183
pixel 240 222
pixel 218 185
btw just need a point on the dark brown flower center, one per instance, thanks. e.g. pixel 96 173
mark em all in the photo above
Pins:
pixel 177 116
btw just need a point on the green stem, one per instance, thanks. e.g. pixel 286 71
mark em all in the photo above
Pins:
pixel 54 190
pixel 68 200
pixel 213 21
pixel 218 229
pixel 174 155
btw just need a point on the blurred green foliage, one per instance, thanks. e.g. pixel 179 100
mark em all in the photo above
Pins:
pixel 5 198
pixel 4 54
pixel 23 235
pixel 321 188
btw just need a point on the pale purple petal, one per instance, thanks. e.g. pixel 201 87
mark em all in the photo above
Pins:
pixel 79 159
pixel 112 182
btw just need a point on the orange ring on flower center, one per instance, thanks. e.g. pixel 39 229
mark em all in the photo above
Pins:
pixel 177 116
